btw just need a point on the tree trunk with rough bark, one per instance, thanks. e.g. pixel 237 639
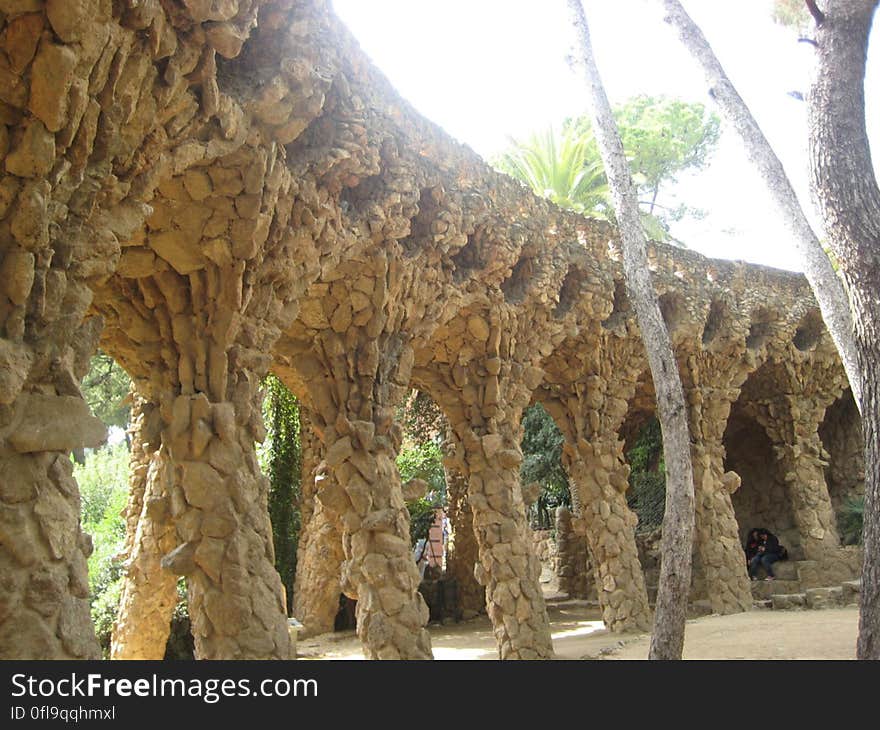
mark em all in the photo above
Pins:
pixel 826 284
pixel 845 188
pixel 678 524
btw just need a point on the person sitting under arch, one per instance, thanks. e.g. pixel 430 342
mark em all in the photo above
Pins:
pixel 768 552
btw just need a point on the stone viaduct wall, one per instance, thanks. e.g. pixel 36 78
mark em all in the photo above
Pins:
pixel 210 189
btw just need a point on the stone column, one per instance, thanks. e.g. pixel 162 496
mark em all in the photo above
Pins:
pixel 508 567
pixel 218 504
pixel 200 298
pixel 599 472
pixel 573 555
pixel 793 426
pixel 589 412
pixel 484 402
pixel 149 593
pixel 356 365
pixel 319 552
pixel 716 529
pixel 462 550
pixel 44 589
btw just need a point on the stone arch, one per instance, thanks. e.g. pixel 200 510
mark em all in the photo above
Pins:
pixel 789 403
pixel 472 256
pixel 809 331
pixel 673 308
pixel 429 206
pixel 621 309
pixel 515 286
pixel 841 434
pixel 762 499
pixel 570 291
pixel 760 328
pixel 718 320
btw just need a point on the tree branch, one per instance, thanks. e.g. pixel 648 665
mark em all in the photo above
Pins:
pixel 824 281
pixel 817 14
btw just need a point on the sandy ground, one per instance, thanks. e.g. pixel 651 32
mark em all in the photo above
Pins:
pixel 578 633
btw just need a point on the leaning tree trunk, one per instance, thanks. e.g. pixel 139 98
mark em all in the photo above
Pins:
pixel 826 284
pixel 678 524
pixel 845 187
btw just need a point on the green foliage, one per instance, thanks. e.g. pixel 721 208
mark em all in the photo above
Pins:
pixel 647 498
pixel 105 388
pixel 647 451
pixel 282 455
pixel 562 167
pixel 423 461
pixel 851 521
pixel 662 137
pixel 792 13
pixel 104 609
pixel 421 418
pixel 103 485
pixel 421 516
pixel 542 462
pixel 647 479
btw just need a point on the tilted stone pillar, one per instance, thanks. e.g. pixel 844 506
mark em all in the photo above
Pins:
pixel 193 313
pixel 319 551
pixel 357 370
pixel 149 592
pixel 462 550
pixel 508 567
pixel 44 589
pixel 793 426
pixel 716 529
pixel 575 564
pixel 589 410
pixel 599 472
pixel 218 503
pixel 494 390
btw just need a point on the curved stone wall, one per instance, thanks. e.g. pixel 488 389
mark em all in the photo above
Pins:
pixel 215 189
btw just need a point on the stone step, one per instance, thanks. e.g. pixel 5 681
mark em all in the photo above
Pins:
pixel 699 608
pixel 783 601
pixel 851 591
pixel 786 570
pixel 762 589
pixel 764 603
pixel 824 597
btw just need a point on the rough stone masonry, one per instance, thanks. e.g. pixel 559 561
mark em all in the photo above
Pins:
pixel 210 189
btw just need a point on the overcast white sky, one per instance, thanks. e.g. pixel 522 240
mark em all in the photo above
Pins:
pixel 486 70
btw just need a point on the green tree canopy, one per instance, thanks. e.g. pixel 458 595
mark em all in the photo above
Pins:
pixel 563 167
pixel 542 462
pixel 662 137
pixel 105 388
pixel 282 460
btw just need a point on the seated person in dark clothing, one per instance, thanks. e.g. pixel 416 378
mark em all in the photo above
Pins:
pixel 768 553
pixel 752 543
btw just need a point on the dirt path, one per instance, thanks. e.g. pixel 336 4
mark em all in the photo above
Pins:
pixel 578 633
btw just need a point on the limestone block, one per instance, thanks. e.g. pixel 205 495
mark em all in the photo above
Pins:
pixel 22 36
pixel 55 423
pixel 183 255
pixel 34 154
pixel 414 489
pixel 15 362
pixel 51 79
pixel 72 19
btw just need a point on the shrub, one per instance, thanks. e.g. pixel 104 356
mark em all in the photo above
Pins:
pixel 647 498
pixel 103 484
pixel 851 521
